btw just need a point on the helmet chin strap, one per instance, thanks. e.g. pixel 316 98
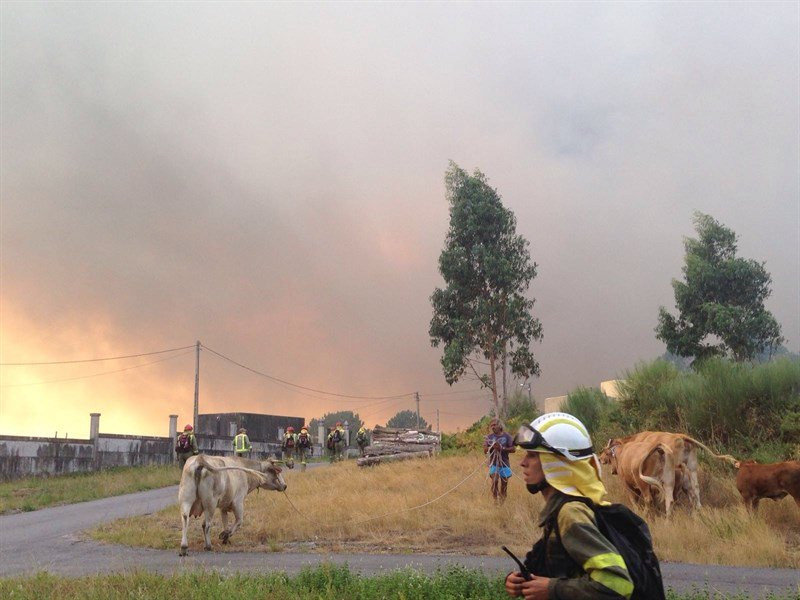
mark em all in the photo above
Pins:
pixel 535 488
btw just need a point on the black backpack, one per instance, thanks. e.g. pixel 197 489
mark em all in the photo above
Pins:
pixel 629 534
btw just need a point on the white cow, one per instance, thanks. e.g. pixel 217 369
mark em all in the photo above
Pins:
pixel 211 482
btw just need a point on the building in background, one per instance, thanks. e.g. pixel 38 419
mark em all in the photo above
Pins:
pixel 261 428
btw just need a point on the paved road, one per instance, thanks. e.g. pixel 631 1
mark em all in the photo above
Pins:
pixel 50 540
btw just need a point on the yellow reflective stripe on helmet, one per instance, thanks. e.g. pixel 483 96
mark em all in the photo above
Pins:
pixel 559 421
pixel 617 583
pixel 602 561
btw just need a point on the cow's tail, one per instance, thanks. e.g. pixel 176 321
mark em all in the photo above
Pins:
pixel 196 509
pixel 725 457
pixel 652 480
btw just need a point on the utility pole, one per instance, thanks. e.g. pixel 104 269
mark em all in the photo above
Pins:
pixel 196 384
pixel 416 397
pixel 527 384
pixel 437 420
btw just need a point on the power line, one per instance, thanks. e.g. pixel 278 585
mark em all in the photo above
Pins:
pixel 97 374
pixel 85 360
pixel 395 404
pixel 302 387
pixel 449 393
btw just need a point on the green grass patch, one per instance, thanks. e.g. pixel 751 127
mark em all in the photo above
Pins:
pixel 33 493
pixel 326 582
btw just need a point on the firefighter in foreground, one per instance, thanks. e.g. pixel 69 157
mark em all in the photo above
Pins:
pixel 186 445
pixel 288 446
pixel 241 444
pixel 574 560
pixel 304 448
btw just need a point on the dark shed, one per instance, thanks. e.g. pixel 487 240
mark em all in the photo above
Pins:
pixel 260 428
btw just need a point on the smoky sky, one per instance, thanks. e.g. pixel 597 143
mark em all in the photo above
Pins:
pixel 268 179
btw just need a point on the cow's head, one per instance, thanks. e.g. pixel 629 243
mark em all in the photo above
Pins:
pixel 608 456
pixel 605 453
pixel 273 479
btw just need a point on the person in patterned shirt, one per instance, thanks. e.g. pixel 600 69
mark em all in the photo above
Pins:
pixel 498 444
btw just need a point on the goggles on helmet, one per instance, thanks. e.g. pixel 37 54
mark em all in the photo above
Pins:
pixel 529 438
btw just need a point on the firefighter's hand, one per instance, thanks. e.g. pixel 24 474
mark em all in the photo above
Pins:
pixel 537 588
pixel 514 581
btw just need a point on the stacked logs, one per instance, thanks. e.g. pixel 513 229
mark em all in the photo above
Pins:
pixel 391 444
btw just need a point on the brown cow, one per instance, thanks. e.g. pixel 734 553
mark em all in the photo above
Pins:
pixel 647 470
pixel 684 449
pixel 774 481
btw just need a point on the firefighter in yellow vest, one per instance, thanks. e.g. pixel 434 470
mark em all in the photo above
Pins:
pixel 288 446
pixel 362 439
pixel 304 448
pixel 241 444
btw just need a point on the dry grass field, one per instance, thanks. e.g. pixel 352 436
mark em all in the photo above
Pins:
pixel 352 509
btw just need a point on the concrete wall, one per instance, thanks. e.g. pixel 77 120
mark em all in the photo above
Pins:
pixel 132 451
pixel 223 446
pixel 554 404
pixel 24 456
pixel 611 388
pixel 550 404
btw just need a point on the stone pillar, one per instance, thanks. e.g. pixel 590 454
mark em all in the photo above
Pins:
pixel 94 426
pixel 173 435
pixel 94 437
pixel 321 434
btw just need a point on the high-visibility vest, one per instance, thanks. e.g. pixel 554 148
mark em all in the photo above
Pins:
pixel 241 443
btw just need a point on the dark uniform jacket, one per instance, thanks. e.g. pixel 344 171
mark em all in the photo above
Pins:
pixel 584 565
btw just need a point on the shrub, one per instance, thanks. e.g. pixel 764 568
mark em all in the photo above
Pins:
pixel 521 408
pixel 590 405
pixel 747 409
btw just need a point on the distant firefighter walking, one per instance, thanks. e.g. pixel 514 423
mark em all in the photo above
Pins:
pixel 335 443
pixel 186 445
pixel 304 448
pixel 288 447
pixel 362 439
pixel 241 444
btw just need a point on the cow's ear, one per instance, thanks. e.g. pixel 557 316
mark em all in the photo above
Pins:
pixel 273 469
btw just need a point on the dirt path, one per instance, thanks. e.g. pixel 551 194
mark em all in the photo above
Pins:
pixel 50 540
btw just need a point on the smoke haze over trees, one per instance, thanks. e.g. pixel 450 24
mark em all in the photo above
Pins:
pixel 267 178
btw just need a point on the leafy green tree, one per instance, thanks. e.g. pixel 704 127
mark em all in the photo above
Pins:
pixel 407 419
pixel 330 419
pixel 482 312
pixel 721 300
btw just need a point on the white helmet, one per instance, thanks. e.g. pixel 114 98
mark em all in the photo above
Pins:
pixel 556 432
